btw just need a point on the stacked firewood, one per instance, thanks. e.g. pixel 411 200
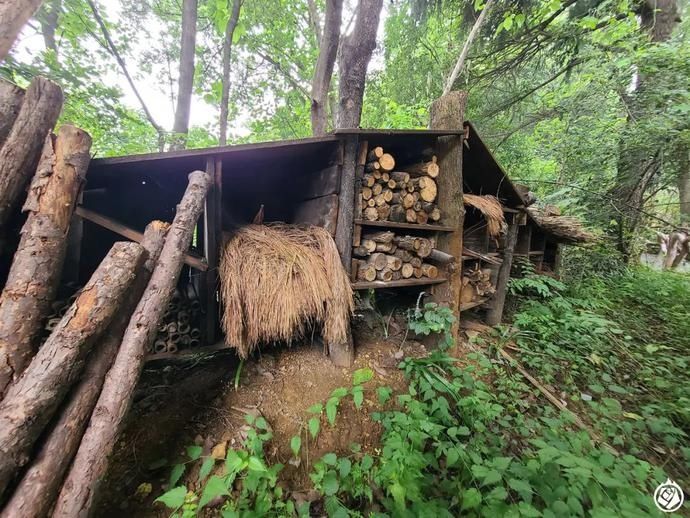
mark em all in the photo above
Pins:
pixel 180 326
pixel 62 405
pixel 476 284
pixel 404 196
pixel 385 256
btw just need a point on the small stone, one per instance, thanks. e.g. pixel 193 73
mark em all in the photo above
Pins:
pixel 220 450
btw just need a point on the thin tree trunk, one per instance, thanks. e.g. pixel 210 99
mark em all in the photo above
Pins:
pixel 48 16
pixel 37 265
pixel 41 483
pixel 227 55
pixel 495 314
pixel 90 464
pixel 460 64
pixel 22 149
pixel 355 55
pixel 328 49
pixel 11 98
pixel 684 185
pixel 185 81
pixel 31 402
pixel 13 15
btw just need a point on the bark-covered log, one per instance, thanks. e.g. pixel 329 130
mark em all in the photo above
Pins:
pixel 385 275
pixel 11 98
pixel 37 264
pixel 91 461
pixel 366 272
pixel 31 402
pixel 378 260
pixel 430 168
pixel 20 152
pixel 407 270
pixel 441 257
pixel 384 236
pixel 40 484
pixel 13 15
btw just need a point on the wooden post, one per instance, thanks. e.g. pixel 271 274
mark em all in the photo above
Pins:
pixel 31 402
pixel 212 241
pixel 495 312
pixel 35 274
pixel 20 152
pixel 447 113
pixel 90 464
pixel 40 484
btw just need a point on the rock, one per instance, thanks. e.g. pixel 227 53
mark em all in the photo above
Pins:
pixel 220 450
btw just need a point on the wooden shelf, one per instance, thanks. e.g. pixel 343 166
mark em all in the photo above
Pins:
pixel 536 252
pixel 473 304
pixel 364 285
pixel 410 226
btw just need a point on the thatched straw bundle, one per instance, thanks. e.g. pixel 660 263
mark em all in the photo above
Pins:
pixel 492 210
pixel 278 280
pixel 564 228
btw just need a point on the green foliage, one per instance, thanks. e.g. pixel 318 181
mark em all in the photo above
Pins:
pixel 532 284
pixel 432 319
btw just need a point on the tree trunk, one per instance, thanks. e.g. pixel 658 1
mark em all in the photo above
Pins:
pixel 684 185
pixel 328 49
pixel 91 461
pixel 355 55
pixel 227 54
pixel 13 15
pixel 20 152
pixel 11 98
pixel 37 265
pixel 40 484
pixel 186 78
pixel 48 16
pixel 31 402
pixel 495 313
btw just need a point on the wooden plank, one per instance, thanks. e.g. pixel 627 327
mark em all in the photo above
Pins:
pixel 133 235
pixel 447 113
pixel 319 183
pixel 410 226
pixel 322 212
pixel 396 284
pixel 473 304
pixel 495 313
pixel 357 235
pixel 346 205
pixel 212 239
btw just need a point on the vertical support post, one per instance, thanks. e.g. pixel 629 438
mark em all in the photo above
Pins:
pixel 212 237
pixel 495 312
pixel 447 113
pixel 346 201
pixel 72 268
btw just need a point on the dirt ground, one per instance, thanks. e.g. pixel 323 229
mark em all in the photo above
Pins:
pixel 180 404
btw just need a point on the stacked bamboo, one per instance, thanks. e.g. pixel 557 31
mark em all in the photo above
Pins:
pixel 62 405
pixel 385 256
pixel 180 326
pixel 406 195
pixel 476 284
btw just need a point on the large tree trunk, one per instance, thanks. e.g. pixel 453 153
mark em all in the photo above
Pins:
pixel 186 78
pixel 31 402
pixel 37 264
pixel 227 55
pixel 355 55
pixel 40 484
pixel 20 152
pixel 11 98
pixel 321 83
pixel 13 15
pixel 91 461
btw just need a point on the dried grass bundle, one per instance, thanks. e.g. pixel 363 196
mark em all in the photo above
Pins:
pixel 565 228
pixel 492 210
pixel 277 280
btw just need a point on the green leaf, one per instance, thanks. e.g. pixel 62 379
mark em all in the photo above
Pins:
pixel 174 498
pixel 206 468
pixel 362 376
pixel 176 474
pixel 384 394
pixel 332 410
pixel 315 409
pixel 215 487
pixel 397 491
pixel 194 452
pixel 367 462
pixel 452 456
pixel 471 498
pixel 256 464
pixel 330 459
pixel 314 426
pixel 358 396
pixel 233 462
pixel 339 393
pixel 523 488
pixel 492 477
pixel 330 483
pixel 295 445
pixel 261 423
pixel 344 467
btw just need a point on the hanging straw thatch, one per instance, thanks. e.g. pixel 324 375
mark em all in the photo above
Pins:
pixel 492 210
pixel 566 229
pixel 278 280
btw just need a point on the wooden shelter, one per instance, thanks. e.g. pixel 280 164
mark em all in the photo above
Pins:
pixel 325 181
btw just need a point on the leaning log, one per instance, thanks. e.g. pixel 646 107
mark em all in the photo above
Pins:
pixel 91 461
pixel 20 152
pixel 11 98
pixel 40 484
pixel 31 402
pixel 35 273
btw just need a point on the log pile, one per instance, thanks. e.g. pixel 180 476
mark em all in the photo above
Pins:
pixel 180 326
pixel 476 284
pixel 403 195
pixel 386 256
pixel 68 366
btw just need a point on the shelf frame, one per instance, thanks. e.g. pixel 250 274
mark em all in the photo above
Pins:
pixel 408 226
pixel 402 283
